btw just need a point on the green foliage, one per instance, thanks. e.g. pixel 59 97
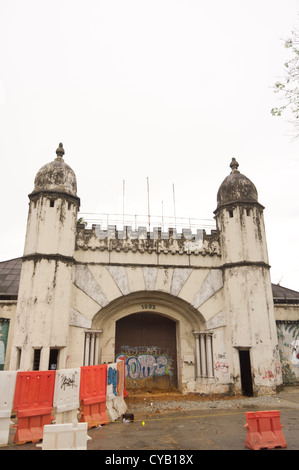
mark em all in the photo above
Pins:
pixel 293 328
pixel 288 87
pixel 81 221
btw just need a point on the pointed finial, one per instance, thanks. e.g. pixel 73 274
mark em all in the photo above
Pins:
pixel 60 151
pixel 234 165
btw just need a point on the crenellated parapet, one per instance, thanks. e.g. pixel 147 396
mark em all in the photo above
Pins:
pixel 142 240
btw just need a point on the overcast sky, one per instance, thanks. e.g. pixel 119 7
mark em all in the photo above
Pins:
pixel 162 92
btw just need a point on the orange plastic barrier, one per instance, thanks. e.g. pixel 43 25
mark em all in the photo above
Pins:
pixel 33 401
pixel 122 378
pixel 93 385
pixel 264 430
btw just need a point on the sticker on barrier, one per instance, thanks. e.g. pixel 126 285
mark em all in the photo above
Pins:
pixel 66 392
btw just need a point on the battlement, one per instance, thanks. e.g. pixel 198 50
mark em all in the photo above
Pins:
pixel 142 233
pixel 141 239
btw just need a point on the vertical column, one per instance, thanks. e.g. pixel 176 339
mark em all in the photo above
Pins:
pixel 87 349
pixel 203 355
pixel 97 348
pixel 209 355
pixel 197 353
pixel 91 355
pixel 44 358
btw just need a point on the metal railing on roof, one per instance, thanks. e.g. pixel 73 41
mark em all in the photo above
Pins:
pixel 150 222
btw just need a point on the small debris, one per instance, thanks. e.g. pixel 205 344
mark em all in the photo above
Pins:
pixel 128 417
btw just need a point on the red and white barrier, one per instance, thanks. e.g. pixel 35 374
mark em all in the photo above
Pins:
pixel 66 401
pixel 115 403
pixel 41 398
pixel 7 391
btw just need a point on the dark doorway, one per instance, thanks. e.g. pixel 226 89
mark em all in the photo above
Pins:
pixel 53 359
pixel 147 343
pixel 245 369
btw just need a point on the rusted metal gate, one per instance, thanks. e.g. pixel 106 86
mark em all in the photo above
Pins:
pixel 147 342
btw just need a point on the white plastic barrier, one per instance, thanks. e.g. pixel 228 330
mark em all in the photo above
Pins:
pixel 7 391
pixel 115 402
pixel 68 436
pixel 66 402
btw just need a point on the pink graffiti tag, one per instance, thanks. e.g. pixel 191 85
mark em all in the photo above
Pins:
pixel 268 375
pixel 222 367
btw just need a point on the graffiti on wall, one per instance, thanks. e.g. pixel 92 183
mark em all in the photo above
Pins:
pixel 144 362
pixel 288 338
pixel 271 375
pixel 221 366
pixel 113 379
pixel 4 326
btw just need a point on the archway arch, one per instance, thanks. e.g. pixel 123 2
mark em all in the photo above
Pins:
pixel 163 303
pixel 142 316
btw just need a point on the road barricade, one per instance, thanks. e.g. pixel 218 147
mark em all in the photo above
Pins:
pixel 264 430
pixel 68 436
pixel 93 385
pixel 33 401
pixel 115 403
pixel 7 390
pixel 125 393
pixel 66 402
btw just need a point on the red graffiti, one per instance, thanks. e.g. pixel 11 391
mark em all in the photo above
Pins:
pixel 268 375
pixel 222 367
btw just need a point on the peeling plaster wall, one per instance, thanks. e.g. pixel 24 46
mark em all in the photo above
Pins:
pixel 76 283
pixel 243 236
pixel 109 269
pixel 51 230
pixel 251 324
pixel 43 317
pixel 95 286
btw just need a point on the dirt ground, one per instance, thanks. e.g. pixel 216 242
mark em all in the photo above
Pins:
pixel 154 402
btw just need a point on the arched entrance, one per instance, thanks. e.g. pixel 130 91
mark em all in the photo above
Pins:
pixel 147 343
pixel 167 333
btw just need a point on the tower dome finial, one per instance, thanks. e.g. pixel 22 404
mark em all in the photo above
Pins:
pixel 60 151
pixel 56 176
pixel 236 188
pixel 234 165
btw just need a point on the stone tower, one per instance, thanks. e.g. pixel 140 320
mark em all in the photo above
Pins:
pixel 251 330
pixel 42 319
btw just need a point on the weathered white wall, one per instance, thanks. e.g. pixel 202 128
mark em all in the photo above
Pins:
pixel 42 317
pixel 190 295
pixel 248 295
pixel 51 230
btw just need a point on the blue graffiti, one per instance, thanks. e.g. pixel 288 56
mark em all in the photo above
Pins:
pixel 112 378
pixel 145 365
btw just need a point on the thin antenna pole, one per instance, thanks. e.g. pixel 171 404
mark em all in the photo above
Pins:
pixel 123 202
pixel 148 205
pixel 162 217
pixel 174 209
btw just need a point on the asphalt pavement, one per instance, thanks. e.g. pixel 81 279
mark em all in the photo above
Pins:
pixel 182 432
